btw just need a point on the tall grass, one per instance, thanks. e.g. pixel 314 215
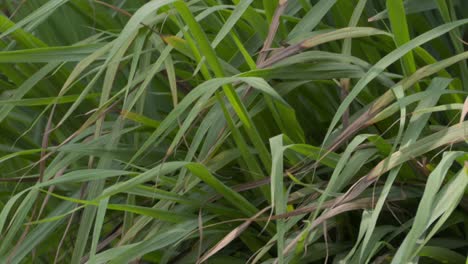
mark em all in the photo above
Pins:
pixel 233 131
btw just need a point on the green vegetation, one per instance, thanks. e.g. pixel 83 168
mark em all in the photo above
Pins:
pixel 233 131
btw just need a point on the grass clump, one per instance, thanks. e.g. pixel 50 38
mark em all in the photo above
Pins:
pixel 233 131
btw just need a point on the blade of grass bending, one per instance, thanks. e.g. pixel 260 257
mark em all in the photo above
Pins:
pixel 234 99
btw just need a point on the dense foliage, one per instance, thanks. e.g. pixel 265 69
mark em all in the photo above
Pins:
pixel 233 131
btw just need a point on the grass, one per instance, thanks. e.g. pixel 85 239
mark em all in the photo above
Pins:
pixel 233 131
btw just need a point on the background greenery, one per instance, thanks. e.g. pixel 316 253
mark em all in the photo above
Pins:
pixel 233 131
